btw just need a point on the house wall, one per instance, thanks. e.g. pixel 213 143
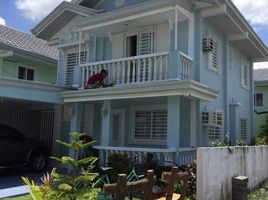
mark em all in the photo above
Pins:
pixel 226 82
pixel 260 119
pixel 43 72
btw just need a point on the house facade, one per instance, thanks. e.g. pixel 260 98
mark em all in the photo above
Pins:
pixel 183 71
pixel 28 92
pixel 260 96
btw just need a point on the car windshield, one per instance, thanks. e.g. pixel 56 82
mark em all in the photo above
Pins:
pixel 8 132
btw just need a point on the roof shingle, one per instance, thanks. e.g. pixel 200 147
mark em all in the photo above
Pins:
pixel 260 74
pixel 27 42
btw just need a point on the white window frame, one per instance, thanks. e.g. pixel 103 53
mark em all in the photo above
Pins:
pixel 212 122
pixel 255 99
pixel 244 68
pixel 136 32
pixel 132 138
pixel 214 58
pixel 26 67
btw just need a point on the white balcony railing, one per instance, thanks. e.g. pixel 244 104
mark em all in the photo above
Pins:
pixel 185 155
pixel 138 69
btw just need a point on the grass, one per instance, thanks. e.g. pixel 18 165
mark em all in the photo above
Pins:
pixel 27 197
pixel 260 193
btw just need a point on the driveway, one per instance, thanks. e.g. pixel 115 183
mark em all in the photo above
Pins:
pixel 12 177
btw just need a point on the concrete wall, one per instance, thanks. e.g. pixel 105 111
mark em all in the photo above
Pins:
pixel 217 166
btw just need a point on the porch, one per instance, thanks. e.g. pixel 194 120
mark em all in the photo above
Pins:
pixel 163 126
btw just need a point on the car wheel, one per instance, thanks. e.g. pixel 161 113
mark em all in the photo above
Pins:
pixel 38 162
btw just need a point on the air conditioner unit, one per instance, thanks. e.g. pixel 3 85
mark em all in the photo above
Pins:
pixel 208 44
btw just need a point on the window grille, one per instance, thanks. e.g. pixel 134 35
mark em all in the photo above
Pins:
pixel 244 74
pixel 149 125
pixel 244 129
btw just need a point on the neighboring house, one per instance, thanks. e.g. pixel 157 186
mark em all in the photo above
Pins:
pixel 183 70
pixel 28 94
pixel 260 98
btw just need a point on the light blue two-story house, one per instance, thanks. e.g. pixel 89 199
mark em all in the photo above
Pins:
pixel 183 70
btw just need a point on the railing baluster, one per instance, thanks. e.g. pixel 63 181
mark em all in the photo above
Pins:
pixel 123 72
pixel 133 71
pixel 150 71
pixel 161 67
pixel 139 71
pixel 155 68
pixel 128 71
pixel 83 78
pixel 144 70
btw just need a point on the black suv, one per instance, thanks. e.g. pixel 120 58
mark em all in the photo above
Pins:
pixel 16 150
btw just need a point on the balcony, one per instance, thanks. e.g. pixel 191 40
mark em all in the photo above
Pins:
pixel 141 69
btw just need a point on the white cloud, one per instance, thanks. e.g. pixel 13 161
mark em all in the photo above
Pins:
pixel 36 9
pixel 260 65
pixel 256 12
pixel 2 21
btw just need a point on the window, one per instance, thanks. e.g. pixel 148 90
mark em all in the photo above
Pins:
pixel 258 99
pixel 26 73
pixel 71 62
pixel 149 126
pixel 214 53
pixel 244 129
pixel 244 74
pixel 213 123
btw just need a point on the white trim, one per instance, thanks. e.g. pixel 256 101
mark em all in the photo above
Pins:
pixel 240 36
pixel 125 59
pixel 30 84
pixel 133 17
pixel 152 150
pixel 222 9
pixel 187 88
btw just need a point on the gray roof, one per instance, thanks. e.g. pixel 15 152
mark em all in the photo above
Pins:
pixel 261 74
pixel 26 42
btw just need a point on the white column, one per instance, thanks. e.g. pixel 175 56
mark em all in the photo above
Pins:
pixel 173 137
pixel 193 124
pixel 106 112
pixel 176 29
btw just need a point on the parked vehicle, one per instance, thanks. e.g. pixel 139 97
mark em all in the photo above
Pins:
pixel 17 150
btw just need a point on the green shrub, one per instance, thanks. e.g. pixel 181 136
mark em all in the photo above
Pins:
pixel 120 165
pixel 78 185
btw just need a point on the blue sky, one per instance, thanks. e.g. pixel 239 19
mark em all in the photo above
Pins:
pixel 25 14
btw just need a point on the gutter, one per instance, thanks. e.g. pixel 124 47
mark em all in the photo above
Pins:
pixel 6 54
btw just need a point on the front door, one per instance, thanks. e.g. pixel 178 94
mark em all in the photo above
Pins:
pixel 118 128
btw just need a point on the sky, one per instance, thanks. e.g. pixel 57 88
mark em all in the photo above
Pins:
pixel 25 14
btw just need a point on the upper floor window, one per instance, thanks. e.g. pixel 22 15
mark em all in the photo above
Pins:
pixel 244 74
pixel 214 59
pixel 26 73
pixel 140 42
pixel 258 99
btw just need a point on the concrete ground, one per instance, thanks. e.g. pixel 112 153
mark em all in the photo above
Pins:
pixel 12 177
